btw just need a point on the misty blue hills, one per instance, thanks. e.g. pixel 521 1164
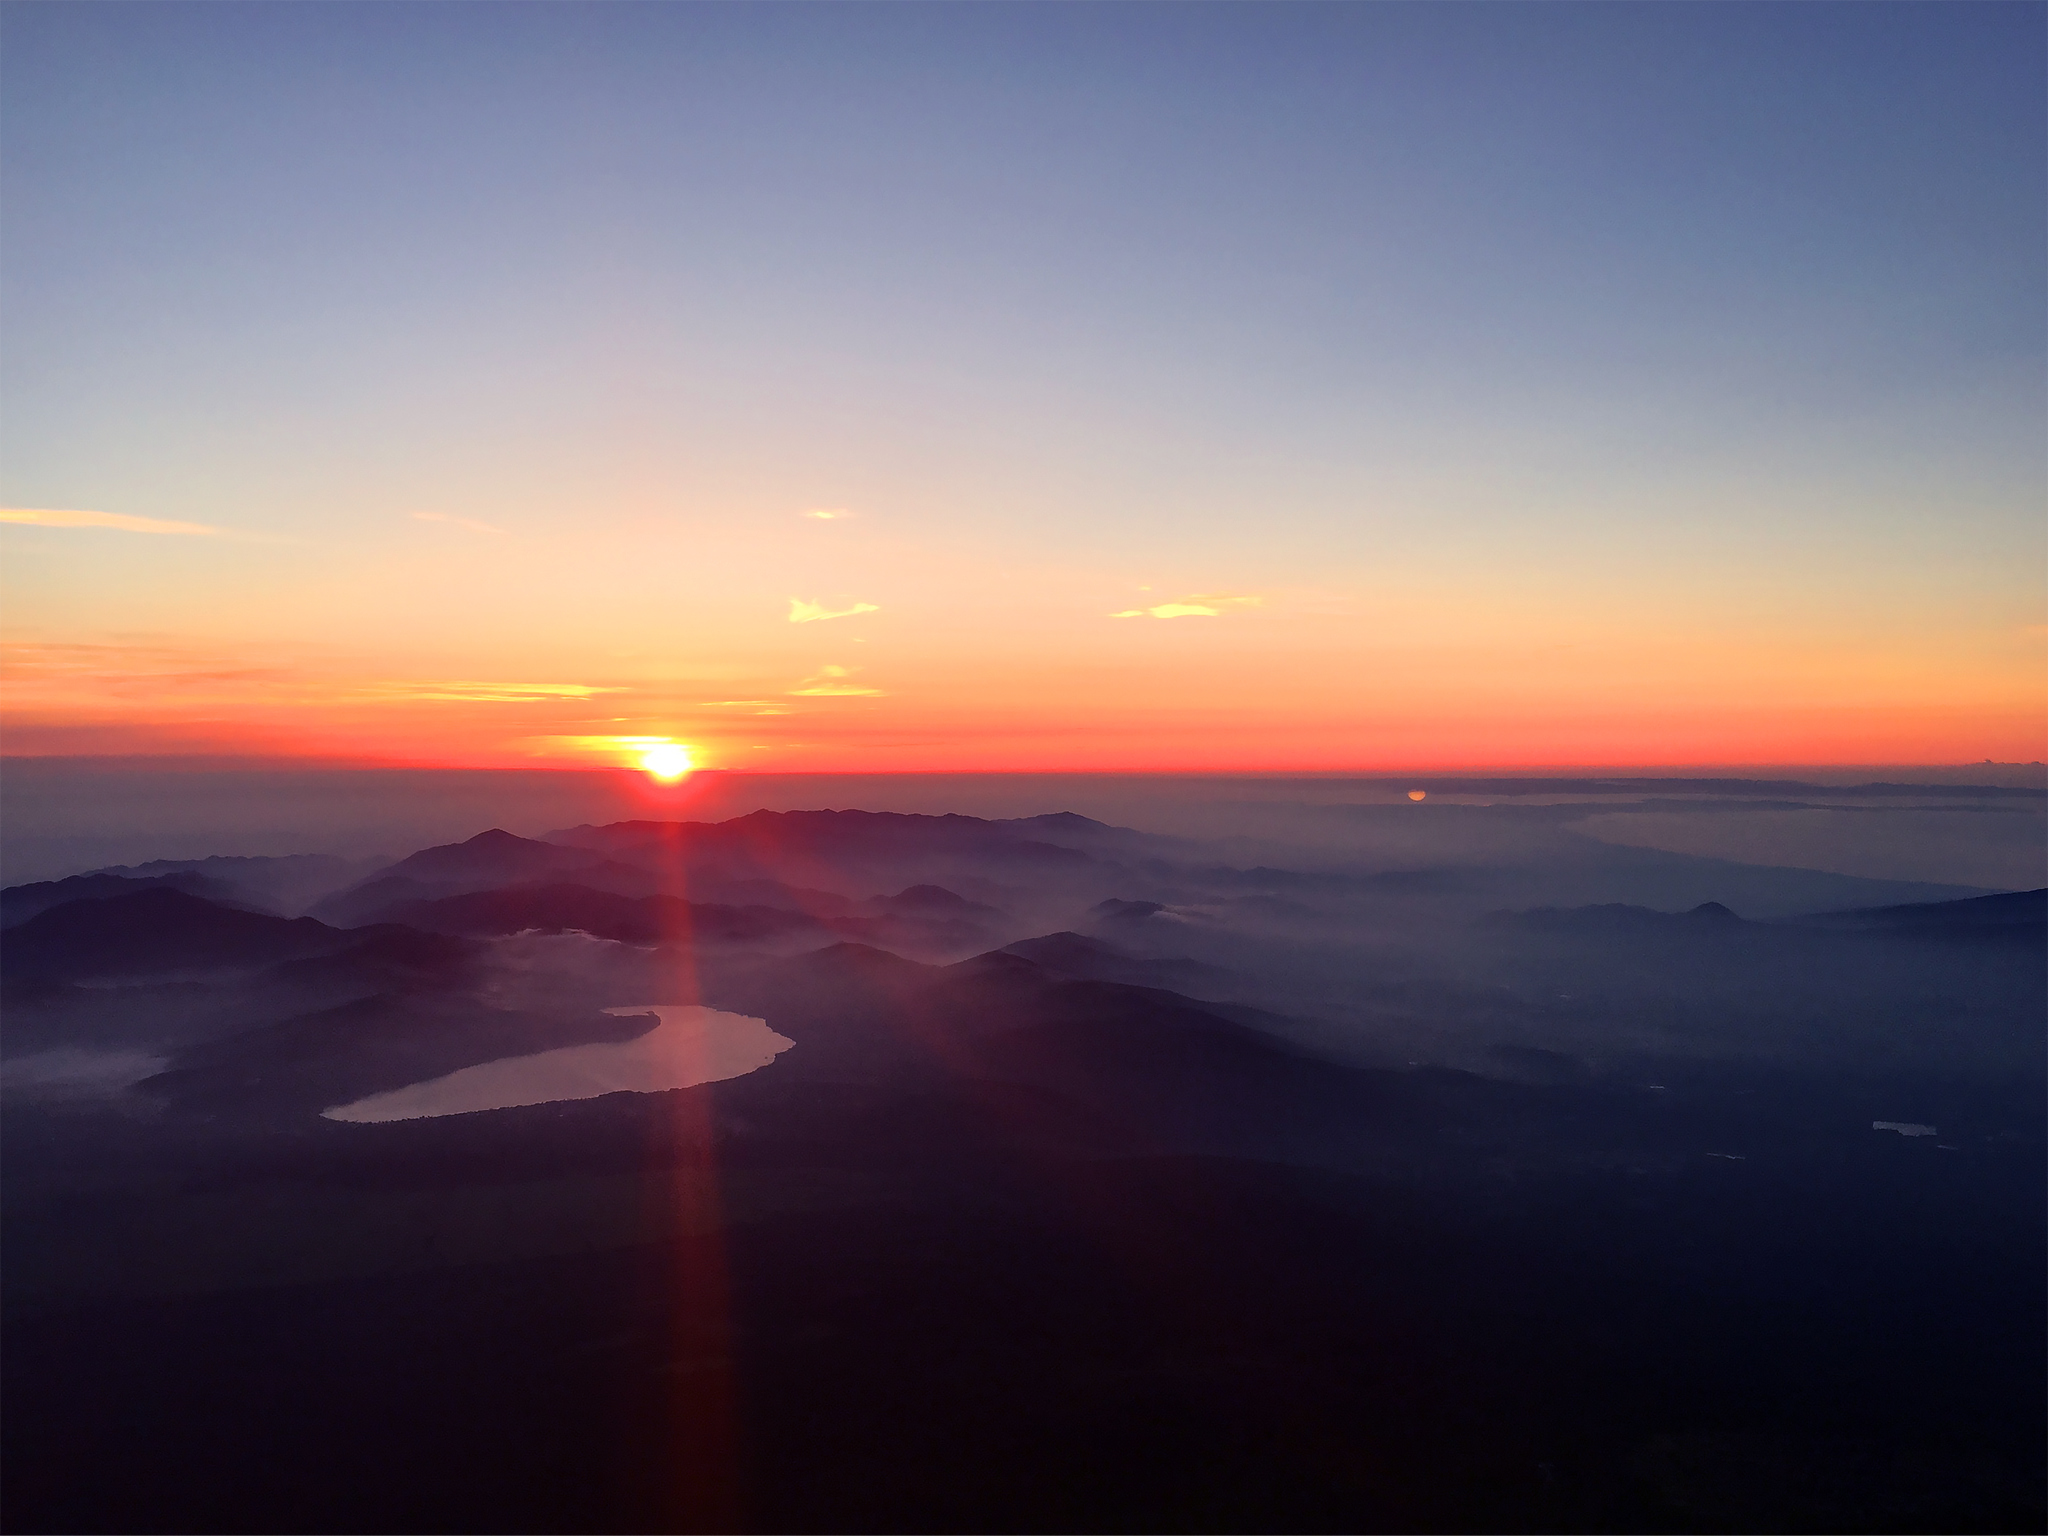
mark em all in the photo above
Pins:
pixel 784 884
pixel 627 882
pixel 1533 1184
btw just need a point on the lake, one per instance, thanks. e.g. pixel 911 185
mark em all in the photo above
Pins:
pixel 691 1045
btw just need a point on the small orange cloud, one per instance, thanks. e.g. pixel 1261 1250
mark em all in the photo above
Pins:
pixel 49 517
pixel 801 612
pixel 1196 605
pixel 827 514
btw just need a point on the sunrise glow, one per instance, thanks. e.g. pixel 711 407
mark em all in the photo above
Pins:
pixel 667 762
pixel 1326 454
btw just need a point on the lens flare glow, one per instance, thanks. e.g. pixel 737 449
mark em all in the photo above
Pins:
pixel 667 762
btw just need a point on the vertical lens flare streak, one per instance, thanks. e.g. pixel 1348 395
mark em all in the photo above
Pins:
pixel 699 1425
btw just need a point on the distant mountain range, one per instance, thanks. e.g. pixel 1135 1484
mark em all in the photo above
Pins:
pixel 851 976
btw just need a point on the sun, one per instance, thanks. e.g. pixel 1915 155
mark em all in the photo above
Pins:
pixel 667 762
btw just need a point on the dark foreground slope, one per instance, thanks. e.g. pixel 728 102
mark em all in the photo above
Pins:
pixel 992 1250
pixel 906 1317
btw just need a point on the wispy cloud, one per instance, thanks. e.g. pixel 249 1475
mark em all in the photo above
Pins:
pixel 1196 605
pixel 830 684
pixel 827 514
pixel 758 706
pixel 146 670
pixel 801 612
pixel 467 524
pixel 48 517
pixel 487 693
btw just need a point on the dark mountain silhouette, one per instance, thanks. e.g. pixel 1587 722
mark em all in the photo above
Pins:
pixel 485 862
pixel 1080 958
pixel 1070 954
pixel 386 957
pixel 285 883
pixel 755 892
pixel 929 901
pixel 19 903
pixel 1068 822
pixel 1174 1074
pixel 1165 1068
pixel 2012 914
pixel 824 833
pixel 153 932
pixel 495 856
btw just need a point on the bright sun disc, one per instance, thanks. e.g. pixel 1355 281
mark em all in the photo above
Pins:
pixel 668 762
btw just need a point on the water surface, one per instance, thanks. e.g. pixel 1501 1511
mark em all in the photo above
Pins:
pixel 691 1045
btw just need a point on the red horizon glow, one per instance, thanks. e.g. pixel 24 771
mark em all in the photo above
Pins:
pixel 1849 739
pixel 1242 711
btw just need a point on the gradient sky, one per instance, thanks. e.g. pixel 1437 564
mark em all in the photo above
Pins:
pixel 1423 386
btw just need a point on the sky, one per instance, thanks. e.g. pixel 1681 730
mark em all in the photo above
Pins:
pixel 1098 387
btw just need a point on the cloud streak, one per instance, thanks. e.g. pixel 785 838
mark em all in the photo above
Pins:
pixel 488 693
pixel 826 514
pixel 50 517
pixel 830 683
pixel 801 612
pixel 1196 605
pixel 149 671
